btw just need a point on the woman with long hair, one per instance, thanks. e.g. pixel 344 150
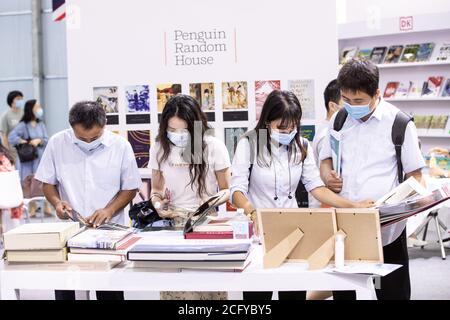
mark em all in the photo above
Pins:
pixel 269 163
pixel 188 165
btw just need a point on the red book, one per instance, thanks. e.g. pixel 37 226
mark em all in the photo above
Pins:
pixel 209 235
pixel 391 89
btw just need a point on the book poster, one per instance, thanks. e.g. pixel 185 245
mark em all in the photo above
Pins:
pixel 164 92
pixel 304 90
pixel 308 132
pixel 232 136
pixel 262 90
pixel 138 104
pixel 235 101
pixel 140 142
pixel 108 97
pixel 205 95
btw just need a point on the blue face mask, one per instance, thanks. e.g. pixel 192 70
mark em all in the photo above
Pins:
pixel 178 139
pixel 88 146
pixel 283 138
pixel 39 114
pixel 20 104
pixel 357 112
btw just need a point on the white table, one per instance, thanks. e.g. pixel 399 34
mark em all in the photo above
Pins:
pixel 290 276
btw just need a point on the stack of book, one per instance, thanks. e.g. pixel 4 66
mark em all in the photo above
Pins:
pixel 191 254
pixel 95 245
pixel 215 228
pixel 38 243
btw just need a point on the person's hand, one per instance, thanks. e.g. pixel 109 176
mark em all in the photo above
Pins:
pixel 22 141
pixel 62 209
pixel 333 182
pixel 440 151
pixel 364 204
pixel 100 216
pixel 254 219
pixel 35 142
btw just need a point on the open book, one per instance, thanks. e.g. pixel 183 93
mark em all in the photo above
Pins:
pixel 409 199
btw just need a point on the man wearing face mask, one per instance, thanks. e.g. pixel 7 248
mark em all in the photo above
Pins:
pixel 90 170
pixel 369 166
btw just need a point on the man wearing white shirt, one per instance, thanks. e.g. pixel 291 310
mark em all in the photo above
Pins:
pixel 90 170
pixel 369 165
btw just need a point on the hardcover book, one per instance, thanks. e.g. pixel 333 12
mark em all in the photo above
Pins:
pixel 410 53
pixel 394 54
pixel 378 54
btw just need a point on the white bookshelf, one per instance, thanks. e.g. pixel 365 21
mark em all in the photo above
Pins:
pixel 427 28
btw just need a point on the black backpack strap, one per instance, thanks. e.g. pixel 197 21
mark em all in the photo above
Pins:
pixel 398 137
pixel 340 119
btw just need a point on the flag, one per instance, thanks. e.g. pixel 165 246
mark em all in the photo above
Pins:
pixel 59 10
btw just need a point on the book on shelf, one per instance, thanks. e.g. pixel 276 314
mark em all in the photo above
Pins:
pixel 40 236
pixel 378 54
pixel 348 54
pixel 391 89
pixel 415 91
pixel 99 239
pixel 416 203
pixel 446 89
pixel 364 54
pixel 444 53
pixel 438 124
pixel 394 53
pixel 433 86
pixel 422 123
pixel 425 51
pixel 37 255
pixel 403 90
pixel 410 53
pixel 214 227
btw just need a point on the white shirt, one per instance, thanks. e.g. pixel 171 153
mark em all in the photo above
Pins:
pixel 369 165
pixel 262 189
pixel 175 171
pixel 321 132
pixel 88 181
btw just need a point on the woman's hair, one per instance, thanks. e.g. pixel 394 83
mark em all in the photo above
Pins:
pixel 28 114
pixel 6 153
pixel 186 108
pixel 279 105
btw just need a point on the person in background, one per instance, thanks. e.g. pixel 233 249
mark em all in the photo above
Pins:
pixel 183 176
pixel 279 159
pixel 436 171
pixel 369 165
pixel 333 102
pixel 90 170
pixel 11 118
pixel 31 130
pixel 6 165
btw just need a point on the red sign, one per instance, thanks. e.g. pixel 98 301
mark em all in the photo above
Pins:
pixel 406 23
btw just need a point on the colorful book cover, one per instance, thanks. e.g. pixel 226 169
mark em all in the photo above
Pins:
pixel 410 53
pixel 394 54
pixel 446 90
pixel 444 52
pixel 140 142
pixel 308 132
pixel 416 89
pixel 205 95
pixel 377 55
pixel 348 54
pixel 425 51
pixel 138 98
pixel 232 136
pixel 422 122
pixel 234 95
pixel 164 92
pixel 432 87
pixel 304 90
pixel 439 122
pixel 403 90
pixel 390 90
pixel 108 97
pixel 262 90
pixel 364 54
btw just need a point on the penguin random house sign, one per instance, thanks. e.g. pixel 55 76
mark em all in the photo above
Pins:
pixel 200 47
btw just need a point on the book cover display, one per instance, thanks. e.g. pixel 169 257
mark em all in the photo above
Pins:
pixel 262 90
pixel 304 90
pixel 164 92
pixel 348 54
pixel 378 54
pixel 433 86
pixel 425 51
pixel 391 89
pixel 364 54
pixel 410 53
pixel 137 98
pixel 394 54
pixel 205 94
pixel 444 52
pixel 140 142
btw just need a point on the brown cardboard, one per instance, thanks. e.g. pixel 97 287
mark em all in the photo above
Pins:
pixel 278 254
pixel 323 255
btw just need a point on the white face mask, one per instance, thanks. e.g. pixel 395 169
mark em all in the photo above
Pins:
pixel 179 139
pixel 88 146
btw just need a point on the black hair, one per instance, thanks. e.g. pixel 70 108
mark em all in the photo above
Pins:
pixel 332 93
pixel 12 95
pixel 28 114
pixel 186 108
pixel 279 105
pixel 359 75
pixel 88 114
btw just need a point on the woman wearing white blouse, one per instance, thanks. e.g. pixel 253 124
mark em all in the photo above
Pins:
pixel 269 163
pixel 188 166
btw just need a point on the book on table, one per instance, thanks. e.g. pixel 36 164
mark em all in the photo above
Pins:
pixel 37 256
pixel 98 239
